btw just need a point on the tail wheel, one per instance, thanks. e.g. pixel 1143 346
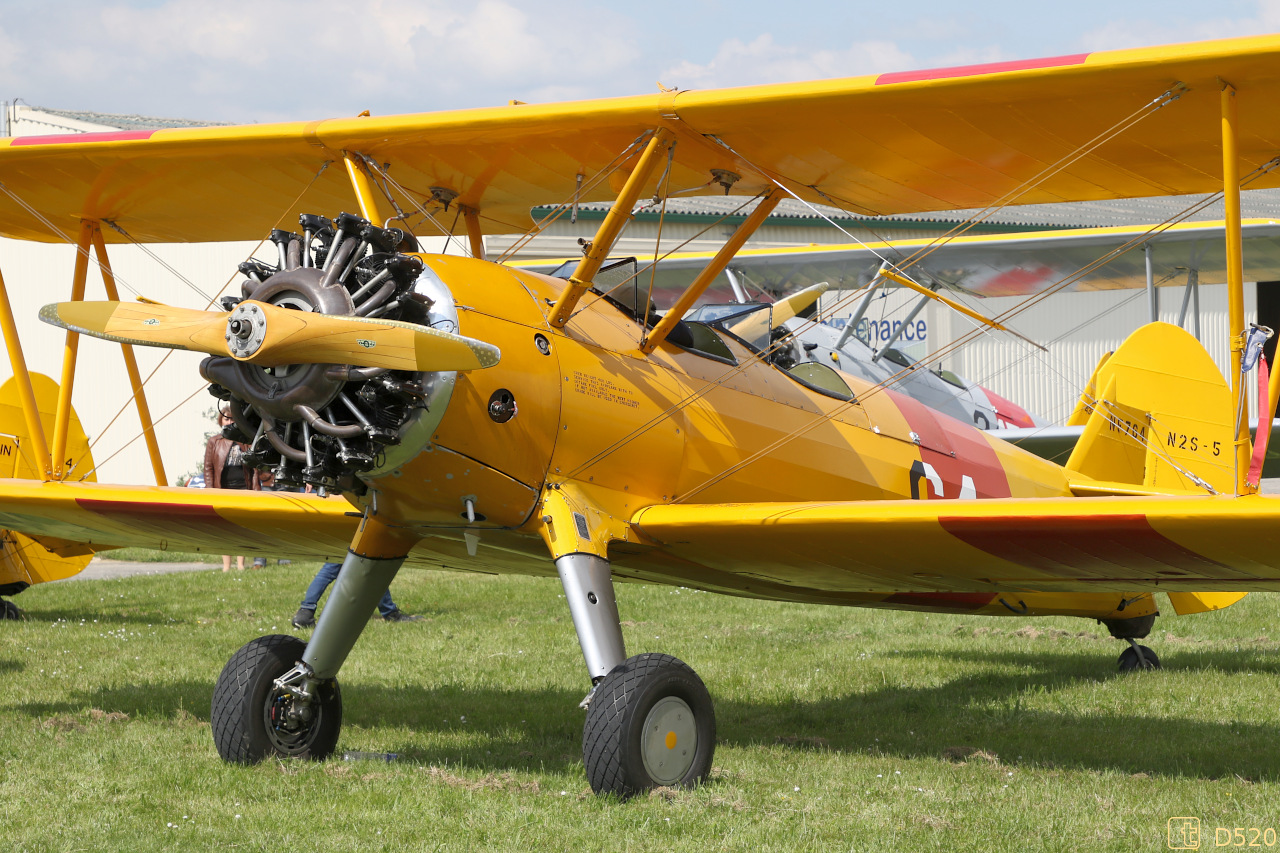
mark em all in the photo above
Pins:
pixel 9 610
pixel 650 723
pixel 253 719
pixel 1138 657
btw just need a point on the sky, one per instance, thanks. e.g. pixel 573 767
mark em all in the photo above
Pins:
pixel 245 61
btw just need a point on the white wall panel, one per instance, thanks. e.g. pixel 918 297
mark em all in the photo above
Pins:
pixel 1077 328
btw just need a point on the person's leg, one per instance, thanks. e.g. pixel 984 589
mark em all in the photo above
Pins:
pixel 386 606
pixel 306 615
pixel 226 562
pixel 387 610
pixel 328 574
pixel 240 564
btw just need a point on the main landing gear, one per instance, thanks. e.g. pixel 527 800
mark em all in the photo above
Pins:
pixel 278 696
pixel 1135 657
pixel 649 721
pixel 257 714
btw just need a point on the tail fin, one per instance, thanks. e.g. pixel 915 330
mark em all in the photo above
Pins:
pixel 1159 416
pixel 27 560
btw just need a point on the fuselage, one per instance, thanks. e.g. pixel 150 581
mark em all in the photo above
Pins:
pixel 707 423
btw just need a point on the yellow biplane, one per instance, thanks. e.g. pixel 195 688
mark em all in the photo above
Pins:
pixel 476 416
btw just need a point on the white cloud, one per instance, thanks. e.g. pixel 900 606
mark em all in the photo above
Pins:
pixel 1126 33
pixel 267 60
pixel 762 60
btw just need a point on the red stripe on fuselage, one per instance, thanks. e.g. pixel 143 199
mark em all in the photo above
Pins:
pixel 940 436
pixel 80 138
pixel 986 68
pixel 1107 545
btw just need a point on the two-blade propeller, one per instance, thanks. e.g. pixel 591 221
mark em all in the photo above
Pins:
pixel 268 335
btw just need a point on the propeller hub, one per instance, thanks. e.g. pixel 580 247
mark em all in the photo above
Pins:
pixel 246 330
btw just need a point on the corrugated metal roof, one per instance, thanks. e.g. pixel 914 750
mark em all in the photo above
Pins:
pixel 1263 204
pixel 127 122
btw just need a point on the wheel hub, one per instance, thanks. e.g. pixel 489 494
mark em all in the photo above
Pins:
pixel 669 740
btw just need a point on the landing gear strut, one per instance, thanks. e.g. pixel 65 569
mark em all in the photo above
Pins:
pixel 1135 657
pixel 650 721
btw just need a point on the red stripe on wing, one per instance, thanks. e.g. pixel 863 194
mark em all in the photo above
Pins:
pixel 169 520
pixel 953 602
pixel 1107 545
pixel 985 68
pixel 68 138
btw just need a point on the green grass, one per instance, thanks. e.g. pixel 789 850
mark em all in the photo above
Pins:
pixel 148 555
pixel 839 729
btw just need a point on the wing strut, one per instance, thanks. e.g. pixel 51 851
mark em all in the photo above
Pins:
pixel 600 246
pixel 363 188
pixel 62 419
pixel 131 364
pixel 924 291
pixel 851 328
pixel 40 449
pixel 1235 282
pixel 471 217
pixel 711 270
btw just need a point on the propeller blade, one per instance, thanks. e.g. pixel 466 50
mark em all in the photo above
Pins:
pixel 754 325
pixel 148 324
pixel 300 337
pixel 270 336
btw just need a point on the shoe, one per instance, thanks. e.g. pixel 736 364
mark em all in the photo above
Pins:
pixel 260 563
pixel 400 616
pixel 304 618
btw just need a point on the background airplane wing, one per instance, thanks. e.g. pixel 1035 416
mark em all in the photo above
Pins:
pixel 1055 443
pixel 1170 544
pixel 992 265
pixel 1045 130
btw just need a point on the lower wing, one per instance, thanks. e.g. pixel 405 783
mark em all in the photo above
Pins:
pixel 1163 543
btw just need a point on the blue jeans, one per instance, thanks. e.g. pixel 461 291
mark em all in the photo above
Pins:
pixel 328 574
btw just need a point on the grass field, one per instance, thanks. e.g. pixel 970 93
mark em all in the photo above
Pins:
pixel 838 729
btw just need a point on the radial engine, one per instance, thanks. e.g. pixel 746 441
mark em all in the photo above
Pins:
pixel 333 426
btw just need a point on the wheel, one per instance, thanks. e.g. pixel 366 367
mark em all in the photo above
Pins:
pixel 9 610
pixel 1129 660
pixel 252 719
pixel 650 723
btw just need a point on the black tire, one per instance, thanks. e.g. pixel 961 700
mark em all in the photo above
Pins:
pixel 248 710
pixel 613 739
pixel 1129 661
pixel 9 610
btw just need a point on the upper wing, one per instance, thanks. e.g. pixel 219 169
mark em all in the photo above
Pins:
pixel 934 140
pixel 1013 545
